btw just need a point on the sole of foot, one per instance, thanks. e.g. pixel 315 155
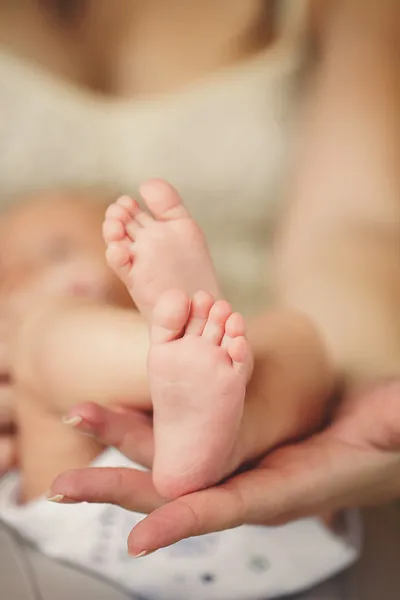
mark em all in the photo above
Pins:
pixel 198 368
pixel 157 249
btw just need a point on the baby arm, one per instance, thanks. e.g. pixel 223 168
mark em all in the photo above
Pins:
pixel 70 351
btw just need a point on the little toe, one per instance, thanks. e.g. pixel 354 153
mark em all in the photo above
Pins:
pixel 214 329
pixel 235 326
pixel 163 200
pixel 199 311
pixel 119 258
pixel 241 355
pixel 170 316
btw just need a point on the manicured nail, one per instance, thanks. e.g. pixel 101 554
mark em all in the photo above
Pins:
pixel 61 499
pixel 72 421
pixel 140 554
pixel 57 498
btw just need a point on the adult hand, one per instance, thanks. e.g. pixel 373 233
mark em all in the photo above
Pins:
pixel 8 444
pixel 355 461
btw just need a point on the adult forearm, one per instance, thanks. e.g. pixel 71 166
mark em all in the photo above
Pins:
pixel 351 291
pixel 338 259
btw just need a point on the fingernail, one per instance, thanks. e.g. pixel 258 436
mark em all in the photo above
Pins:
pixel 140 554
pixel 61 499
pixel 72 421
pixel 57 498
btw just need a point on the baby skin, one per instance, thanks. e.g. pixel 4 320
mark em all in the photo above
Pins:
pixel 79 340
pixel 199 360
pixel 61 263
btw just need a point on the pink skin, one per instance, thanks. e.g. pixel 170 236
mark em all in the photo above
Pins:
pixel 199 360
pixel 61 255
pixel 355 462
pixel 199 364
pixel 159 250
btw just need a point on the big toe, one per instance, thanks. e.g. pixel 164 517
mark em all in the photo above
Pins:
pixel 162 200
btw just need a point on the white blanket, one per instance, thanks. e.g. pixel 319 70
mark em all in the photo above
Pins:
pixel 241 564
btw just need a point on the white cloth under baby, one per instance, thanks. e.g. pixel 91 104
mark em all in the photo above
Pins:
pixel 241 564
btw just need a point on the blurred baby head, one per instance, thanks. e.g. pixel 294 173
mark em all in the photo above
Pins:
pixel 52 245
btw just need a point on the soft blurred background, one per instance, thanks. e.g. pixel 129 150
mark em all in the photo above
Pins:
pixel 104 94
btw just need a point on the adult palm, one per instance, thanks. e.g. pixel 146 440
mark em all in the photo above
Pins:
pixel 355 461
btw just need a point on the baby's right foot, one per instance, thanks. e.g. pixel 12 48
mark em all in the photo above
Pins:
pixel 198 367
pixel 159 250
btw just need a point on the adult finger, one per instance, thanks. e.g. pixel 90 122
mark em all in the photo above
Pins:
pixel 128 430
pixel 305 479
pixel 7 405
pixel 252 497
pixel 8 452
pixel 129 488
pixel 293 482
pixel 371 414
pixel 296 481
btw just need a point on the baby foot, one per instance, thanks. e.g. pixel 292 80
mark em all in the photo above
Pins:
pixel 158 250
pixel 198 367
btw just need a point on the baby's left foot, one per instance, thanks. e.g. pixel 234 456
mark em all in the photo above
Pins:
pixel 157 250
pixel 199 365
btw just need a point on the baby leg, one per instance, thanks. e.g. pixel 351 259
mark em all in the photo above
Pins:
pixel 46 447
